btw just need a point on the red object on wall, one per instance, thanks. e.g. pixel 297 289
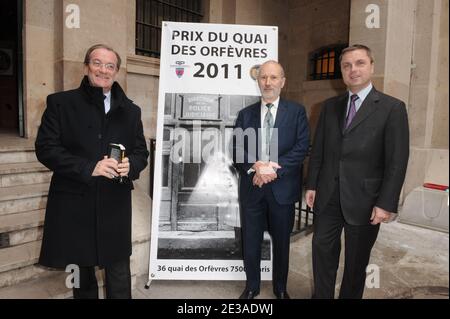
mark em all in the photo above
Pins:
pixel 435 186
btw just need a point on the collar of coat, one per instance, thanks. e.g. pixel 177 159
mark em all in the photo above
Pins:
pixel 96 93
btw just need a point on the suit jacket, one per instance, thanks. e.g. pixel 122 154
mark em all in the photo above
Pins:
pixel 368 159
pixel 88 219
pixel 292 135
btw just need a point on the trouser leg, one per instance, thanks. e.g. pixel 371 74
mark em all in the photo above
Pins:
pixel 88 284
pixel 359 241
pixel 326 248
pixel 281 222
pixel 118 280
pixel 253 224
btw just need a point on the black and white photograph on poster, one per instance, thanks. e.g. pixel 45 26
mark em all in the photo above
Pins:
pixel 199 216
pixel 207 75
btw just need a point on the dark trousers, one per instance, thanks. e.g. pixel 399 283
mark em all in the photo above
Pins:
pixel 256 217
pixel 117 282
pixel 326 248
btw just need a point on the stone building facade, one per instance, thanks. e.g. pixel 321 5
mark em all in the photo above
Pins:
pixel 409 39
pixel 410 47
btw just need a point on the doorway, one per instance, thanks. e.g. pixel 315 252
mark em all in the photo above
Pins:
pixel 11 111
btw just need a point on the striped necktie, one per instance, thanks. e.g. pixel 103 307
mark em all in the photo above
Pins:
pixel 268 126
pixel 351 111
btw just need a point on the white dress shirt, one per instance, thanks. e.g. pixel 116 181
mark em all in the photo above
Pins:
pixel 361 97
pixel 107 101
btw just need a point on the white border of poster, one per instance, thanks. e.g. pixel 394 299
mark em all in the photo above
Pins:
pixel 205 59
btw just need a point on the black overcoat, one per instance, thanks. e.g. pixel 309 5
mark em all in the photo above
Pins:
pixel 88 219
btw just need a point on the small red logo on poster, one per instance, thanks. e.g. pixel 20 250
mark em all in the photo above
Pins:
pixel 179 70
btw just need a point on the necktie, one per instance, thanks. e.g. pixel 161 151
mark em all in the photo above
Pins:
pixel 267 126
pixel 352 110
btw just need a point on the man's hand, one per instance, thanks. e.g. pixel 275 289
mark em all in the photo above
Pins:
pixel 264 173
pixel 124 167
pixel 257 181
pixel 107 167
pixel 380 215
pixel 310 196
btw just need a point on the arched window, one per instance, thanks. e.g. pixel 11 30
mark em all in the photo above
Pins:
pixel 324 63
pixel 150 14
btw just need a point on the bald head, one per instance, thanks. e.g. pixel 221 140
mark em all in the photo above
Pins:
pixel 274 64
pixel 271 80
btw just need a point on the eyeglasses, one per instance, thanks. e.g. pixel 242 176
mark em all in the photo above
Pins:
pixel 97 64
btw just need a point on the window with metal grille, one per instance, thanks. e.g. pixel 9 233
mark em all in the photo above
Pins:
pixel 150 14
pixel 324 63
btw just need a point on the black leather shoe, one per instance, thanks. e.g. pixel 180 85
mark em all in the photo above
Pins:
pixel 283 295
pixel 248 294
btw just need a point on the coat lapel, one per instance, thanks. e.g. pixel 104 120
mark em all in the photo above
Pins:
pixel 118 97
pixel 341 111
pixel 256 125
pixel 281 114
pixel 369 106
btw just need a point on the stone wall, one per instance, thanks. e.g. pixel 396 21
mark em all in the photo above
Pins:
pixel 411 63
pixel 41 68
pixel 304 26
pixel 374 38
pixel 143 84
pixel 313 25
pixel 428 96
pixel 410 49
pixel 270 13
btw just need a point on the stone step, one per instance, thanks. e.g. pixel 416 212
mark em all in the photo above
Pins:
pixel 19 256
pixel 26 191
pixel 18 263
pixel 20 221
pixel 21 228
pixel 16 276
pixel 23 198
pixel 11 168
pixel 17 154
pixel 24 236
pixel 50 286
pixel 200 211
pixel 197 225
pixel 20 237
pixel 20 269
pixel 14 174
pixel 20 277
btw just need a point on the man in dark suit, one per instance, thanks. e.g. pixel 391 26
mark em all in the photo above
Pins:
pixel 270 177
pixel 88 215
pixel 356 172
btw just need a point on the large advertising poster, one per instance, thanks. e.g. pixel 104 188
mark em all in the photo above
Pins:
pixel 207 75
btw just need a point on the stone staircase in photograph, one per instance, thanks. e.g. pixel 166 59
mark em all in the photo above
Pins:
pixel 24 186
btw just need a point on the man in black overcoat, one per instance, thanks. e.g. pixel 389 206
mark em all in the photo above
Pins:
pixel 88 215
